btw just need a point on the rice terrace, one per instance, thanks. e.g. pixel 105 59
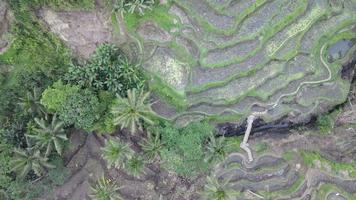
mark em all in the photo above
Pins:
pixel 177 99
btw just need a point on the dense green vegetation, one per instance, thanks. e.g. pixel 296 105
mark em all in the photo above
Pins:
pixel 337 167
pixel 183 150
pixel 44 93
pixel 35 59
pixel 108 69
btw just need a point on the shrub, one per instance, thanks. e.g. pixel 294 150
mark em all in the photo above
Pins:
pixel 80 109
pixel 108 69
pixel 54 97
pixel 106 122
pixel 58 175
pixel 24 190
pixel 5 168
pixel 183 150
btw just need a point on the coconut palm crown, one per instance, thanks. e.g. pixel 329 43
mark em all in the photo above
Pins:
pixel 116 153
pixel 131 111
pixel 49 134
pixel 105 189
pixel 29 159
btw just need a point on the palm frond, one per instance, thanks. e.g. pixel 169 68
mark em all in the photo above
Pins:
pixel 130 111
pixel 105 189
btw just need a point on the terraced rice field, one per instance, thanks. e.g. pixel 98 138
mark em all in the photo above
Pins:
pixel 223 60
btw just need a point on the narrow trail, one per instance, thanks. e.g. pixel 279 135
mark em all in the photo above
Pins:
pixel 244 144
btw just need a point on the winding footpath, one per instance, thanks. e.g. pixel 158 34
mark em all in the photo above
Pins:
pixel 244 144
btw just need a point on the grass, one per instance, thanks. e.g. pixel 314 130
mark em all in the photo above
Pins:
pixel 158 14
pixel 325 123
pixel 285 192
pixel 233 144
pixel 33 47
pixel 68 4
pixel 310 157
pixel 288 156
pixel 326 188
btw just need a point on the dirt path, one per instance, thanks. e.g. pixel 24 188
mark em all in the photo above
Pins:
pixel 87 166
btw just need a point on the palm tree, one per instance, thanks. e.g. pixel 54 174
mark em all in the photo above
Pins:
pixel 105 189
pixel 116 153
pixel 129 112
pixel 216 149
pixel 216 190
pixel 152 146
pixel 29 159
pixel 134 165
pixel 49 134
pixel 31 102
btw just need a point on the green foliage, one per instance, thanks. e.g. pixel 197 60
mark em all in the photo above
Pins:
pixel 67 4
pixel 31 102
pixel 183 151
pixel 58 175
pixel 36 58
pixel 310 157
pixel 106 122
pixel 54 97
pixel 218 190
pixel 152 146
pixel 216 149
pixel 133 6
pixel 5 168
pixel 28 160
pixel 158 14
pixel 108 69
pixel 105 189
pixel 325 123
pixel 130 111
pixel 33 49
pixel 49 134
pixel 134 165
pixel 24 190
pixel 80 109
pixel 116 153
